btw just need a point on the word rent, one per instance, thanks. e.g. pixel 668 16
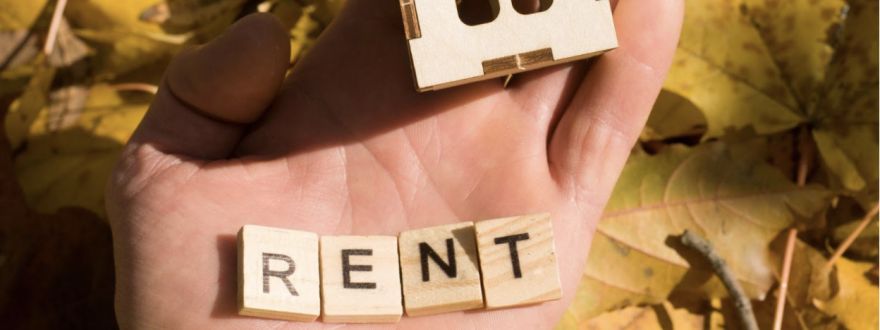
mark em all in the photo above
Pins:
pixel 299 276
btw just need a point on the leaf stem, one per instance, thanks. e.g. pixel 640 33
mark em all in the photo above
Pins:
pixel 52 36
pixel 741 301
pixel 805 154
pixel 138 87
pixel 783 282
pixel 850 239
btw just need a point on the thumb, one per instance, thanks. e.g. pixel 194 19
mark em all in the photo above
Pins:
pixel 210 92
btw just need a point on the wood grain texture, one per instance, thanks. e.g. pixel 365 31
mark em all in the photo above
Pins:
pixel 522 61
pixel 518 260
pixel 450 284
pixel 360 279
pixel 446 52
pixel 410 19
pixel 278 273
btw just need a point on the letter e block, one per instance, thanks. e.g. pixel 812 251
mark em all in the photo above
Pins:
pixel 440 269
pixel 360 279
pixel 518 260
pixel 278 274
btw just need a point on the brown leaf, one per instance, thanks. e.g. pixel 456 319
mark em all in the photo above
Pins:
pixel 661 316
pixel 724 192
pixel 819 297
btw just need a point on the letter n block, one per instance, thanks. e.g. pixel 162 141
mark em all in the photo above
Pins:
pixel 440 269
pixel 278 274
pixel 360 279
pixel 518 260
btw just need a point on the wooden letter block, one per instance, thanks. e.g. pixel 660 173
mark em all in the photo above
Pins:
pixel 360 279
pixel 518 260
pixel 440 269
pixel 278 274
pixel 446 52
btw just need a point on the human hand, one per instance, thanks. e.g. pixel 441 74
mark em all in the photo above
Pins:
pixel 348 147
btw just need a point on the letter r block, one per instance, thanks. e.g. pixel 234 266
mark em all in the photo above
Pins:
pixel 440 270
pixel 518 260
pixel 278 274
pixel 360 279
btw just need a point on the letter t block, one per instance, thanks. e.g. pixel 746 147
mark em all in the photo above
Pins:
pixel 518 260
pixel 278 274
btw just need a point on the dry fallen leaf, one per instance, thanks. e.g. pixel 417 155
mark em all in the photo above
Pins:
pixel 124 41
pixel 71 150
pixel 661 316
pixel 20 15
pixel 855 302
pixel 760 65
pixel 24 111
pixel 865 245
pixel 796 34
pixel 312 20
pixel 184 16
pixel 819 298
pixel 41 75
pixel 673 117
pixel 733 60
pixel 846 118
pixel 723 192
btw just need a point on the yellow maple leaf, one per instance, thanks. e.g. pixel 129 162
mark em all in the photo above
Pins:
pixel 846 116
pixel 753 62
pixel 20 15
pixel 70 152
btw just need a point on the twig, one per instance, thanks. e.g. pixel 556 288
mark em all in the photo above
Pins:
pixel 137 87
pixel 797 316
pixel 802 171
pixel 805 151
pixel 52 36
pixel 507 80
pixel 850 239
pixel 783 282
pixel 743 305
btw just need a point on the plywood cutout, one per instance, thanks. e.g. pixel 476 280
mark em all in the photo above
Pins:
pixel 278 273
pixel 446 52
pixel 518 261
pixel 360 279
pixel 440 270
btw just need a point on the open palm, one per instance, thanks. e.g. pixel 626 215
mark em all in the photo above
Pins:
pixel 346 146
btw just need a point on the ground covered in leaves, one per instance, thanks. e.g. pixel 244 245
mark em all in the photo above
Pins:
pixel 768 122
